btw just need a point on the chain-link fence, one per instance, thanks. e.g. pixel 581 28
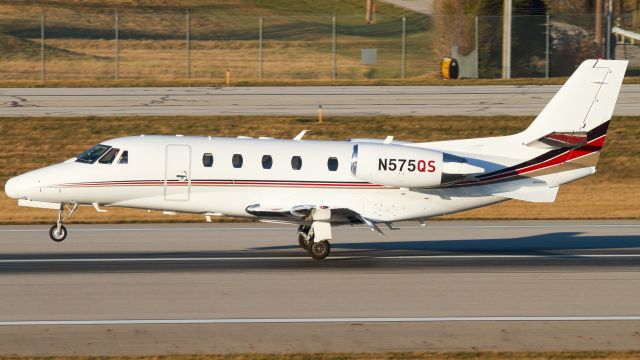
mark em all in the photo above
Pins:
pixel 86 44
pixel 544 45
pixel 203 44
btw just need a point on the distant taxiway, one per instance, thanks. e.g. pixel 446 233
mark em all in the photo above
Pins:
pixel 485 100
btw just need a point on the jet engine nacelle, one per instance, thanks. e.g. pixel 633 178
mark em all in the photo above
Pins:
pixel 396 165
pixel 406 166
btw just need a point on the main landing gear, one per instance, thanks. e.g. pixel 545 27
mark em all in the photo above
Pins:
pixel 318 250
pixel 58 232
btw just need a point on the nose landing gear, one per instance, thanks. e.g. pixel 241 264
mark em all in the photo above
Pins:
pixel 58 232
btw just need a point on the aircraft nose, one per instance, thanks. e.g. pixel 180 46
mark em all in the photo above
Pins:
pixel 12 188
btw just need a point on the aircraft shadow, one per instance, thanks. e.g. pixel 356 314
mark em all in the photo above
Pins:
pixel 523 245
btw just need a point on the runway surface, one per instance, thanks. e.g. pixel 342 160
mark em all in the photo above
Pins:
pixel 193 288
pixel 525 100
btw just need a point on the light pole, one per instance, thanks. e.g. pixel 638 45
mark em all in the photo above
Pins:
pixel 506 40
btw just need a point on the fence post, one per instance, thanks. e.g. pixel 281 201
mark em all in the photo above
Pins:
pixel 608 40
pixel 404 47
pixel 42 55
pixel 333 49
pixel 117 39
pixel 187 54
pixel 477 40
pixel 260 49
pixel 546 49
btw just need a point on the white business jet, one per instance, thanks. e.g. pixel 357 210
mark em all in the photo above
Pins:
pixel 319 184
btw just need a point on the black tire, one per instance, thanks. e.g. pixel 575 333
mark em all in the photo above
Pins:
pixel 54 236
pixel 319 249
pixel 304 241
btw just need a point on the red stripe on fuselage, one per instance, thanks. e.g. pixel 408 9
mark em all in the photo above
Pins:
pixel 223 183
pixel 592 146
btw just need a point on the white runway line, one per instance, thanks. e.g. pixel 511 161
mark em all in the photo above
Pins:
pixel 317 320
pixel 285 258
pixel 432 227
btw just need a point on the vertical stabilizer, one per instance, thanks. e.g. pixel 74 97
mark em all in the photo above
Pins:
pixel 584 102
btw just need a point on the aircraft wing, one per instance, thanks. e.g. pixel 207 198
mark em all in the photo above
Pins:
pixel 305 213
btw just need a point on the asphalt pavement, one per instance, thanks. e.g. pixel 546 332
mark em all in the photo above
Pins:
pixel 248 287
pixel 489 100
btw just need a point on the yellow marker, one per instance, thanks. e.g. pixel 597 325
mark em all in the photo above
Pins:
pixel 228 77
pixel 445 67
pixel 320 114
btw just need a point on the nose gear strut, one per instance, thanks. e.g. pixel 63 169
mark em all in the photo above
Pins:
pixel 58 232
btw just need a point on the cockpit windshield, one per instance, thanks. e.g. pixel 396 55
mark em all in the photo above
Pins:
pixel 109 156
pixel 90 156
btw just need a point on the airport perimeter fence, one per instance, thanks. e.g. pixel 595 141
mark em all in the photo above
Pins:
pixel 98 44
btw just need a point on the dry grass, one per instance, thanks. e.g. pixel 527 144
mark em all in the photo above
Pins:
pixel 297 43
pixel 218 80
pixel 30 143
pixel 558 355
pixel 165 60
pixel 297 40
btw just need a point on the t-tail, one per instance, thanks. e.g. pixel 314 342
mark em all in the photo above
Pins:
pixel 565 139
pixel 562 144
pixel 577 118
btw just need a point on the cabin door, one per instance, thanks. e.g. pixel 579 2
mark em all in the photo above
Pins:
pixel 177 179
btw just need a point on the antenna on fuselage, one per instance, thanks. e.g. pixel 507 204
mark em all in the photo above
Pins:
pixel 300 136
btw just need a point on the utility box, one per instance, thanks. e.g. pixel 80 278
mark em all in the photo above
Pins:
pixel 369 56
pixel 467 64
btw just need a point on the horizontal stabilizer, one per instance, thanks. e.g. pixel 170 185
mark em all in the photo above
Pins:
pixel 532 194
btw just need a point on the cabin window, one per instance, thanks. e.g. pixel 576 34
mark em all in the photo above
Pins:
pixel 207 159
pixel 296 163
pixel 109 156
pixel 236 160
pixel 267 161
pixel 90 156
pixel 332 164
pixel 124 158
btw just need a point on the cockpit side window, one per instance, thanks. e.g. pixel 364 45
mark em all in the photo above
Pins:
pixel 109 156
pixel 124 158
pixel 92 155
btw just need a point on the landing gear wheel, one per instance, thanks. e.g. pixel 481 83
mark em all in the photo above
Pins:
pixel 58 235
pixel 320 249
pixel 304 240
